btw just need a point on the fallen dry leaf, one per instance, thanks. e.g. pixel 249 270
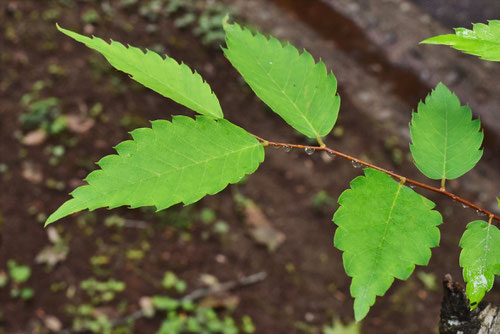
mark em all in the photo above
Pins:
pixel 32 172
pixel 79 124
pixel 52 323
pixel 261 229
pixel 34 138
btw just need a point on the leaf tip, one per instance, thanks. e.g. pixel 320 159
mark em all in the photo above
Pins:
pixel 61 29
pixel 426 41
pixel 52 219
pixel 360 310
pixel 225 22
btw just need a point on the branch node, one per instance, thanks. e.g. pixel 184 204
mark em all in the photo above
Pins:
pixel 443 182
pixel 320 142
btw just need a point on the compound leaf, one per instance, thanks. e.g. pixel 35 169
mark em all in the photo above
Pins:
pixel 172 162
pixel 384 230
pixel 483 40
pixel 291 84
pixel 480 259
pixel 445 139
pixel 163 75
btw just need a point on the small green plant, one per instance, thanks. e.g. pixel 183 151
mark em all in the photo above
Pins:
pixel 88 315
pixel 202 17
pixel 338 328
pixel 102 292
pixel 384 227
pixel 170 281
pixel 188 317
pixel 85 318
pixel 42 113
pixel 19 275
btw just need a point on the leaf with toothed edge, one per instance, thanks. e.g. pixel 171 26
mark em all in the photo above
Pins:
pixel 292 84
pixel 480 259
pixel 172 162
pixel 163 75
pixel 384 230
pixel 446 140
pixel 483 40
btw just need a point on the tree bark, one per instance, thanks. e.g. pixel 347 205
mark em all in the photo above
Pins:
pixel 457 318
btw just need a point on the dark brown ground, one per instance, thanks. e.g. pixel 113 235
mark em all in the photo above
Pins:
pixel 305 273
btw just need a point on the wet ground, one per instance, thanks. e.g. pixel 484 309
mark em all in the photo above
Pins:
pixel 461 13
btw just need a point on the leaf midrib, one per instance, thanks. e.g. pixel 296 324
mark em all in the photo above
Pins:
pixel 112 52
pixel 131 184
pixel 286 95
pixel 386 229
pixel 445 150
pixel 486 248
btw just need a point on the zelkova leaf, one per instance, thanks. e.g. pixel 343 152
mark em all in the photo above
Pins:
pixel 172 162
pixel 483 40
pixel 384 230
pixel 480 259
pixel 291 84
pixel 163 75
pixel 445 140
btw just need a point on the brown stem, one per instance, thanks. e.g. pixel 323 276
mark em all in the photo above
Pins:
pixel 400 177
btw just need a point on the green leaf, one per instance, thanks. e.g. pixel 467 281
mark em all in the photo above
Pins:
pixel 165 303
pixel 178 161
pixel 292 84
pixel 445 139
pixel 480 259
pixel 18 273
pixel 384 230
pixel 483 40
pixel 164 76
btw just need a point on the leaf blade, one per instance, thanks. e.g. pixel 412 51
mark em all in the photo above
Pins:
pixel 172 162
pixel 384 230
pixel 162 75
pixel 480 259
pixel 291 84
pixel 483 40
pixel 445 140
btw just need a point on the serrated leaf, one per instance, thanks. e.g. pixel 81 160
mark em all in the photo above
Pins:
pixel 445 139
pixel 480 259
pixel 291 84
pixel 483 40
pixel 384 230
pixel 172 162
pixel 163 75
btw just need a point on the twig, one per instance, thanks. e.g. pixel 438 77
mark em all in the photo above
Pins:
pixel 226 286
pixel 400 177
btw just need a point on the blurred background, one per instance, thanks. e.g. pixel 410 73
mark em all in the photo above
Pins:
pixel 265 243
